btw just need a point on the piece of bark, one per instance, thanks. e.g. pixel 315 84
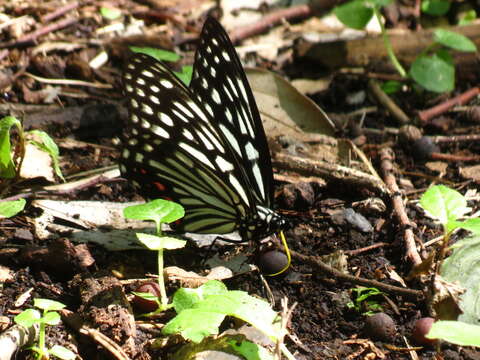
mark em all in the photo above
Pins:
pixel 371 51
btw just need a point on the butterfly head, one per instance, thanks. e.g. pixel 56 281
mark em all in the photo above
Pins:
pixel 264 223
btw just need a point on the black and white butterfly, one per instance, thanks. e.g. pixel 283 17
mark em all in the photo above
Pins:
pixel 203 146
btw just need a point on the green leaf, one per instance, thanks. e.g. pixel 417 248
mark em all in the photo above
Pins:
pixel 202 309
pixel 47 304
pixel 187 298
pixel 11 208
pixel 241 305
pixel 435 73
pixel 194 324
pixel 444 204
pixel 250 350
pixel 454 40
pixel 472 225
pixel 28 317
pixel 354 14
pixel 48 145
pixel 154 242
pixel 186 74
pixel 463 267
pixel 62 352
pixel 435 7
pixel 467 17
pixel 157 210
pixel 147 296
pixel 391 86
pixel 7 167
pixel 379 3
pixel 110 13
pixel 158 54
pixel 456 332
pixel 51 318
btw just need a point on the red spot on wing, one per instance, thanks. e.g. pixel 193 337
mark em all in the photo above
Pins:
pixel 142 171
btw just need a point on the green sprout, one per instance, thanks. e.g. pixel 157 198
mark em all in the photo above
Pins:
pixel 11 159
pixel 363 302
pixel 433 69
pixel 11 208
pixel 201 311
pixel 48 316
pixel 448 207
pixel 160 211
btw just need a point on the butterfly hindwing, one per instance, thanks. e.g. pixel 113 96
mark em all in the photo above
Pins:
pixel 220 82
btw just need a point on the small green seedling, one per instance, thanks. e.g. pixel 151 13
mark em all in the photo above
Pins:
pixel 48 316
pixel 163 55
pixel 200 312
pixel 160 211
pixel 448 207
pixel 11 161
pixel 11 208
pixel 110 13
pixel 433 69
pixel 363 302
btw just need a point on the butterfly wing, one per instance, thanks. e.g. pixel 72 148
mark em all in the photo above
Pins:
pixel 175 149
pixel 219 81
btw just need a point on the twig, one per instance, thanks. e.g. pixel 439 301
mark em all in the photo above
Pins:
pixel 387 156
pixel 454 158
pixel 385 100
pixel 455 138
pixel 59 12
pixel 461 99
pixel 319 265
pixel 330 172
pixel 69 82
pixel 270 20
pixel 366 248
pixel 286 316
pixel 30 38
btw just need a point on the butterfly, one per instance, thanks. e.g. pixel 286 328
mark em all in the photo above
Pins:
pixel 202 146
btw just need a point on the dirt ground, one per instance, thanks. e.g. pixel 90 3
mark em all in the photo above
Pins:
pixel 333 251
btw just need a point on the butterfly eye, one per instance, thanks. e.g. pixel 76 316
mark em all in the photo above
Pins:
pixel 203 146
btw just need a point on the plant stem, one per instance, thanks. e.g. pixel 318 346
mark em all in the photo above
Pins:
pixel 41 340
pixel 388 45
pixel 161 281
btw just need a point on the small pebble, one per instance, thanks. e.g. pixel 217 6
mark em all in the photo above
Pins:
pixel 145 305
pixel 272 262
pixel 358 221
pixel 381 327
pixel 421 328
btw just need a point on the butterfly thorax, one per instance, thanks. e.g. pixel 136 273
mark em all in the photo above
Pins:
pixel 263 223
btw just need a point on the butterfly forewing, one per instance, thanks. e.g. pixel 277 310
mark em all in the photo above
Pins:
pixel 220 83
pixel 174 149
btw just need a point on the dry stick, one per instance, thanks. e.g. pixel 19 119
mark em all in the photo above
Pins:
pixel 461 99
pixel 319 265
pixel 385 100
pixel 59 12
pixel 455 138
pixel 30 38
pixel 454 158
pixel 330 172
pixel 387 158
pixel 366 248
pixel 270 20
